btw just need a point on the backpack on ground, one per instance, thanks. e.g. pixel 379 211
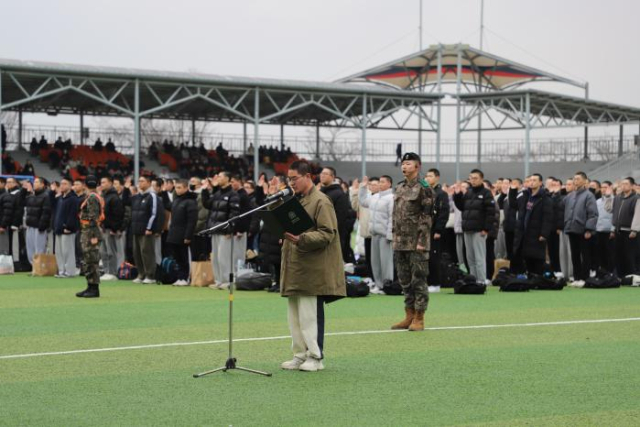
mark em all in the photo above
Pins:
pixel 253 281
pixel 168 272
pixel 127 271
pixel 516 284
pixel 502 277
pixel 469 285
pixel 606 281
pixel 391 287
pixel 450 273
pixel 357 288
pixel 547 282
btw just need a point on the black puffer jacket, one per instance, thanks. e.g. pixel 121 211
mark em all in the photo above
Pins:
pixel 145 210
pixel 7 207
pixel 510 212
pixel 440 210
pixel 344 213
pixel 270 249
pixel 246 204
pixel 539 223
pixel 478 209
pixel 113 211
pixel 223 204
pixel 38 210
pixel 558 210
pixel 184 217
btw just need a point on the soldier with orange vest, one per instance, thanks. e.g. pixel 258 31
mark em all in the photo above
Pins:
pixel 91 216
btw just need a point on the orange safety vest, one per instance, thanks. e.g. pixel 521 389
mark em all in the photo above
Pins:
pixel 84 203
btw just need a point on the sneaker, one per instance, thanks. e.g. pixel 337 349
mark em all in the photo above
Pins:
pixel 577 284
pixel 214 286
pixel 181 283
pixel 376 291
pixel 434 289
pixel 311 365
pixel 148 282
pixel 559 275
pixel 293 364
pixel 138 280
pixel 223 286
pixel 108 277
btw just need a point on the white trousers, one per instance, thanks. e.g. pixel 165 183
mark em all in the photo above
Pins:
pixel 381 260
pixel 36 242
pixel 221 260
pixel 306 323
pixel 66 254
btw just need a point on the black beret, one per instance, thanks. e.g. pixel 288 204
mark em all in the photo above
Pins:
pixel 91 181
pixel 411 156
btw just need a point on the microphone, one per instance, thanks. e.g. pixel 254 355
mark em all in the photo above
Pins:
pixel 280 194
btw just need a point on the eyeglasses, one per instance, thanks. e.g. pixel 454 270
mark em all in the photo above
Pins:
pixel 292 179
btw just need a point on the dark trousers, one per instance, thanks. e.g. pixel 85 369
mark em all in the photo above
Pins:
pixel 534 265
pixel 580 256
pixel 509 237
pixel 180 252
pixel 626 253
pixel 449 244
pixel 367 255
pixel 435 255
pixel 553 243
pixel 200 248
pixel 491 256
pixel 603 255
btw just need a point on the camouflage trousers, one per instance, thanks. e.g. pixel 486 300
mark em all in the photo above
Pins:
pixel 90 257
pixel 413 269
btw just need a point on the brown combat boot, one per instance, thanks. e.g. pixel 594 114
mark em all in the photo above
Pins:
pixel 410 313
pixel 418 321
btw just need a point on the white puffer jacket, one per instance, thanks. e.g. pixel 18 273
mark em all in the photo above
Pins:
pixel 380 211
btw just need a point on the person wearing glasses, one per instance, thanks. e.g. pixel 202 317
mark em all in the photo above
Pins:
pixel 312 271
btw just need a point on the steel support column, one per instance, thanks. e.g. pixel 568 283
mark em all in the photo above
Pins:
pixel 527 135
pixel 621 141
pixel 318 141
pixel 0 119
pixel 81 129
pixel 20 129
pixel 136 133
pixel 458 83
pixel 256 135
pixel 364 135
pixel 193 132
pixel 281 137
pixel 244 139
pixel 439 110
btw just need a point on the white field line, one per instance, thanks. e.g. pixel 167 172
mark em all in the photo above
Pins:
pixel 330 334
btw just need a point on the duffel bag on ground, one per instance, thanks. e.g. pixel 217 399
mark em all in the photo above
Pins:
pixel 357 288
pixel 253 281
pixel 469 285
pixel 391 287
pixel 606 281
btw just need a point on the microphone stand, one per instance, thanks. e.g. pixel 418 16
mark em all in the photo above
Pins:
pixel 231 361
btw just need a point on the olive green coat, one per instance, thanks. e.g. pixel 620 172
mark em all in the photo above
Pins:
pixel 313 266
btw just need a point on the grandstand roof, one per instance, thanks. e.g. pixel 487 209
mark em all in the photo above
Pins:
pixel 32 86
pixel 479 68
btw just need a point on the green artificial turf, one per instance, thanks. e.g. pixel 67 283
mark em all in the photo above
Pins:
pixel 569 374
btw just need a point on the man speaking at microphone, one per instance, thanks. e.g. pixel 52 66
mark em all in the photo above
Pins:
pixel 312 272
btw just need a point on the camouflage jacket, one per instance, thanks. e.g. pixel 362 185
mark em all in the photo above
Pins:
pixel 90 213
pixel 412 208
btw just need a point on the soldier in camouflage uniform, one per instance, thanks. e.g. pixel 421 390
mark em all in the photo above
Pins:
pixel 91 215
pixel 412 208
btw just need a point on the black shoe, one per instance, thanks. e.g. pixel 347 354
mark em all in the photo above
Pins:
pixel 274 288
pixel 93 291
pixel 82 293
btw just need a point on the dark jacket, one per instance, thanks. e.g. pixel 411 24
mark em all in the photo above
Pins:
pixel 342 205
pixel 223 204
pixel 145 210
pixel 534 223
pixel 38 210
pixel 623 211
pixel 440 211
pixel 7 209
pixel 510 209
pixel 184 216
pixel 66 214
pixel 478 209
pixel 246 204
pixel 113 211
pixel 557 199
pixel 270 248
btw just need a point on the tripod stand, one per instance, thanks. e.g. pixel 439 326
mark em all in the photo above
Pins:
pixel 231 360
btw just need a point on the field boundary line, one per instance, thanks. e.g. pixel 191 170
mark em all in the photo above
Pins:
pixel 329 334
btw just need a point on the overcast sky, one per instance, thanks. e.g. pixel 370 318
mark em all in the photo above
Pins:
pixel 589 40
